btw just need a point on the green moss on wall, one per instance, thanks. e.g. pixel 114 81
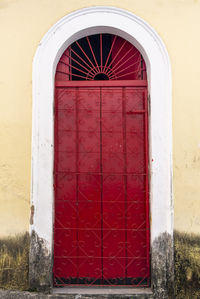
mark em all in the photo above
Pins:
pixel 14 256
pixel 187 265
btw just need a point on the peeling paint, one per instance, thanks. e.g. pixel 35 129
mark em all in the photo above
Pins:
pixel 32 214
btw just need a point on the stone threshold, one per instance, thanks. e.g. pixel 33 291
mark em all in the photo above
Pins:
pixel 104 292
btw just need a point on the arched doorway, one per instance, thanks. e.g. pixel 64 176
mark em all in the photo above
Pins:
pixel 89 21
pixel 101 168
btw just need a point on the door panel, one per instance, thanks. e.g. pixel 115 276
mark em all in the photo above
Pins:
pixel 101 227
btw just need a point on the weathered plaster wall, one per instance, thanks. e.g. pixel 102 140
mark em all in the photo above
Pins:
pixel 22 25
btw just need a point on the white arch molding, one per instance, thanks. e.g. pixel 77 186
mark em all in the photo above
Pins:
pixel 73 26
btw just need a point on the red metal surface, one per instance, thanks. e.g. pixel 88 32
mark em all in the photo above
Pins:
pixel 104 56
pixel 101 229
pixel 114 83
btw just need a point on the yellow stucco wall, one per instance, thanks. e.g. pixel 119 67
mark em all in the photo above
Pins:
pixel 22 25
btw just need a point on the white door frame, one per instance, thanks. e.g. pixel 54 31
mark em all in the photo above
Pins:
pixel 73 26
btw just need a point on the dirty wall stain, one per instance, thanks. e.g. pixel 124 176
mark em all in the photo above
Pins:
pixel 187 265
pixel 14 262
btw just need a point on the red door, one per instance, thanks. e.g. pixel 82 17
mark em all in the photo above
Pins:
pixel 101 229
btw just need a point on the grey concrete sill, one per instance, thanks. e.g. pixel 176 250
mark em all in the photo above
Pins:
pixel 105 292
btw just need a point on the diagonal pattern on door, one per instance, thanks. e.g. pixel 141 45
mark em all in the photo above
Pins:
pixel 101 229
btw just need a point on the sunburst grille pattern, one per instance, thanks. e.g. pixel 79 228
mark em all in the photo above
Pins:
pixel 101 57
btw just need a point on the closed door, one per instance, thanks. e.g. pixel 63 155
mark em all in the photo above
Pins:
pixel 101 225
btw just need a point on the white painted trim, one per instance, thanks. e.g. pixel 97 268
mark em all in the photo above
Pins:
pixel 70 28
